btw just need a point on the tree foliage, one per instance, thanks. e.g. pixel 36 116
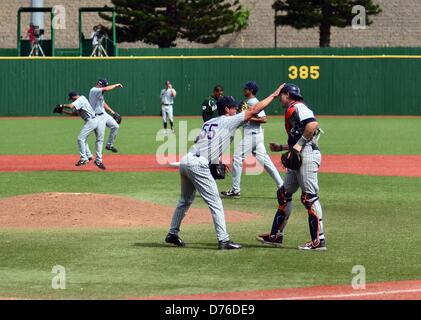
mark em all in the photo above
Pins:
pixel 162 22
pixel 324 14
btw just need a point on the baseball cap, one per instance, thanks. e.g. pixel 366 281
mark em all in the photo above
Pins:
pixel 251 85
pixel 103 82
pixel 73 94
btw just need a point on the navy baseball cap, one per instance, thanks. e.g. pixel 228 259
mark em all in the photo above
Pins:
pixel 73 94
pixel 103 82
pixel 227 101
pixel 251 85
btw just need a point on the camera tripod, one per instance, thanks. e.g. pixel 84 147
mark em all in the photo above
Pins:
pixel 99 50
pixel 36 49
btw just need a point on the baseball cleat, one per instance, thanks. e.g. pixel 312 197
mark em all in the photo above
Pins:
pixel 310 246
pixel 81 163
pixel 174 239
pixel 111 148
pixel 228 245
pixel 231 194
pixel 100 165
pixel 269 239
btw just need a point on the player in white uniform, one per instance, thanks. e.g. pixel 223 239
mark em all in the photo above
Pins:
pixel 96 99
pixel 167 102
pixel 81 106
pixel 214 139
pixel 252 143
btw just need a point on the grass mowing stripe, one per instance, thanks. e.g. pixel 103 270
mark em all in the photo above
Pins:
pixel 138 135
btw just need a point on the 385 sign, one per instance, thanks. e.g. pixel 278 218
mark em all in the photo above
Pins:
pixel 304 72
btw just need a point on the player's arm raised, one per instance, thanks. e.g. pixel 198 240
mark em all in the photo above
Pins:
pixel 250 113
pixel 112 87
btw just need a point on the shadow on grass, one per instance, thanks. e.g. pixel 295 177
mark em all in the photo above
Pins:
pixel 207 246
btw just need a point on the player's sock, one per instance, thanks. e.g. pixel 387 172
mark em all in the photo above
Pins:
pixel 172 125
pixel 165 125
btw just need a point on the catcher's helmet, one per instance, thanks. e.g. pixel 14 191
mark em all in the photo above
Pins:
pixel 252 86
pixel 293 90
pixel 103 82
pixel 228 101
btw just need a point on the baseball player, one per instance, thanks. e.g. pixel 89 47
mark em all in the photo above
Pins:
pixel 167 101
pixel 96 99
pixel 209 108
pixel 303 130
pixel 252 143
pixel 214 139
pixel 81 106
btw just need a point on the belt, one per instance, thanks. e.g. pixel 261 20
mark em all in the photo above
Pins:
pixel 165 104
pixel 100 114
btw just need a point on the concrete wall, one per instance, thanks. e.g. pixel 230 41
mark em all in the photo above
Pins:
pixel 398 25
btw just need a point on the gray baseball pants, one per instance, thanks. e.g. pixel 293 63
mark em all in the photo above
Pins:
pixel 195 175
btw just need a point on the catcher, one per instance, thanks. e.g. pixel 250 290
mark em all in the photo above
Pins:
pixel 96 99
pixel 302 161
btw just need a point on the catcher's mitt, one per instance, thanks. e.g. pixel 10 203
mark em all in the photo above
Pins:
pixel 58 108
pixel 291 160
pixel 117 117
pixel 218 170
pixel 242 106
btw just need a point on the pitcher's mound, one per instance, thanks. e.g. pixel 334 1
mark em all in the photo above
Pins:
pixel 90 210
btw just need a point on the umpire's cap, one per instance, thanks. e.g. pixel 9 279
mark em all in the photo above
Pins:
pixel 293 90
pixel 252 86
pixel 103 82
pixel 227 101
pixel 73 94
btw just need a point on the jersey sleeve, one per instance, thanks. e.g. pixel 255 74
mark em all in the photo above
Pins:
pixel 305 114
pixel 235 121
pixel 78 104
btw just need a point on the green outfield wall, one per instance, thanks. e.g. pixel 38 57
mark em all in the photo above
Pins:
pixel 332 85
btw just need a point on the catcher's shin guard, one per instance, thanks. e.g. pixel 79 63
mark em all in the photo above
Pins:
pixel 312 204
pixel 282 214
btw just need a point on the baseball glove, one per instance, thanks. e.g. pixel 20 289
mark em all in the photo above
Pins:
pixel 218 170
pixel 291 160
pixel 242 106
pixel 117 117
pixel 58 108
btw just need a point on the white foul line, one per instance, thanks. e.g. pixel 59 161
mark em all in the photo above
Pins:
pixel 350 295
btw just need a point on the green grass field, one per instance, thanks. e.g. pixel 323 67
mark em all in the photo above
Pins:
pixel 369 221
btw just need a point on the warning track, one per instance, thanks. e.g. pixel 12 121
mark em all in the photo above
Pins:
pixel 373 165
